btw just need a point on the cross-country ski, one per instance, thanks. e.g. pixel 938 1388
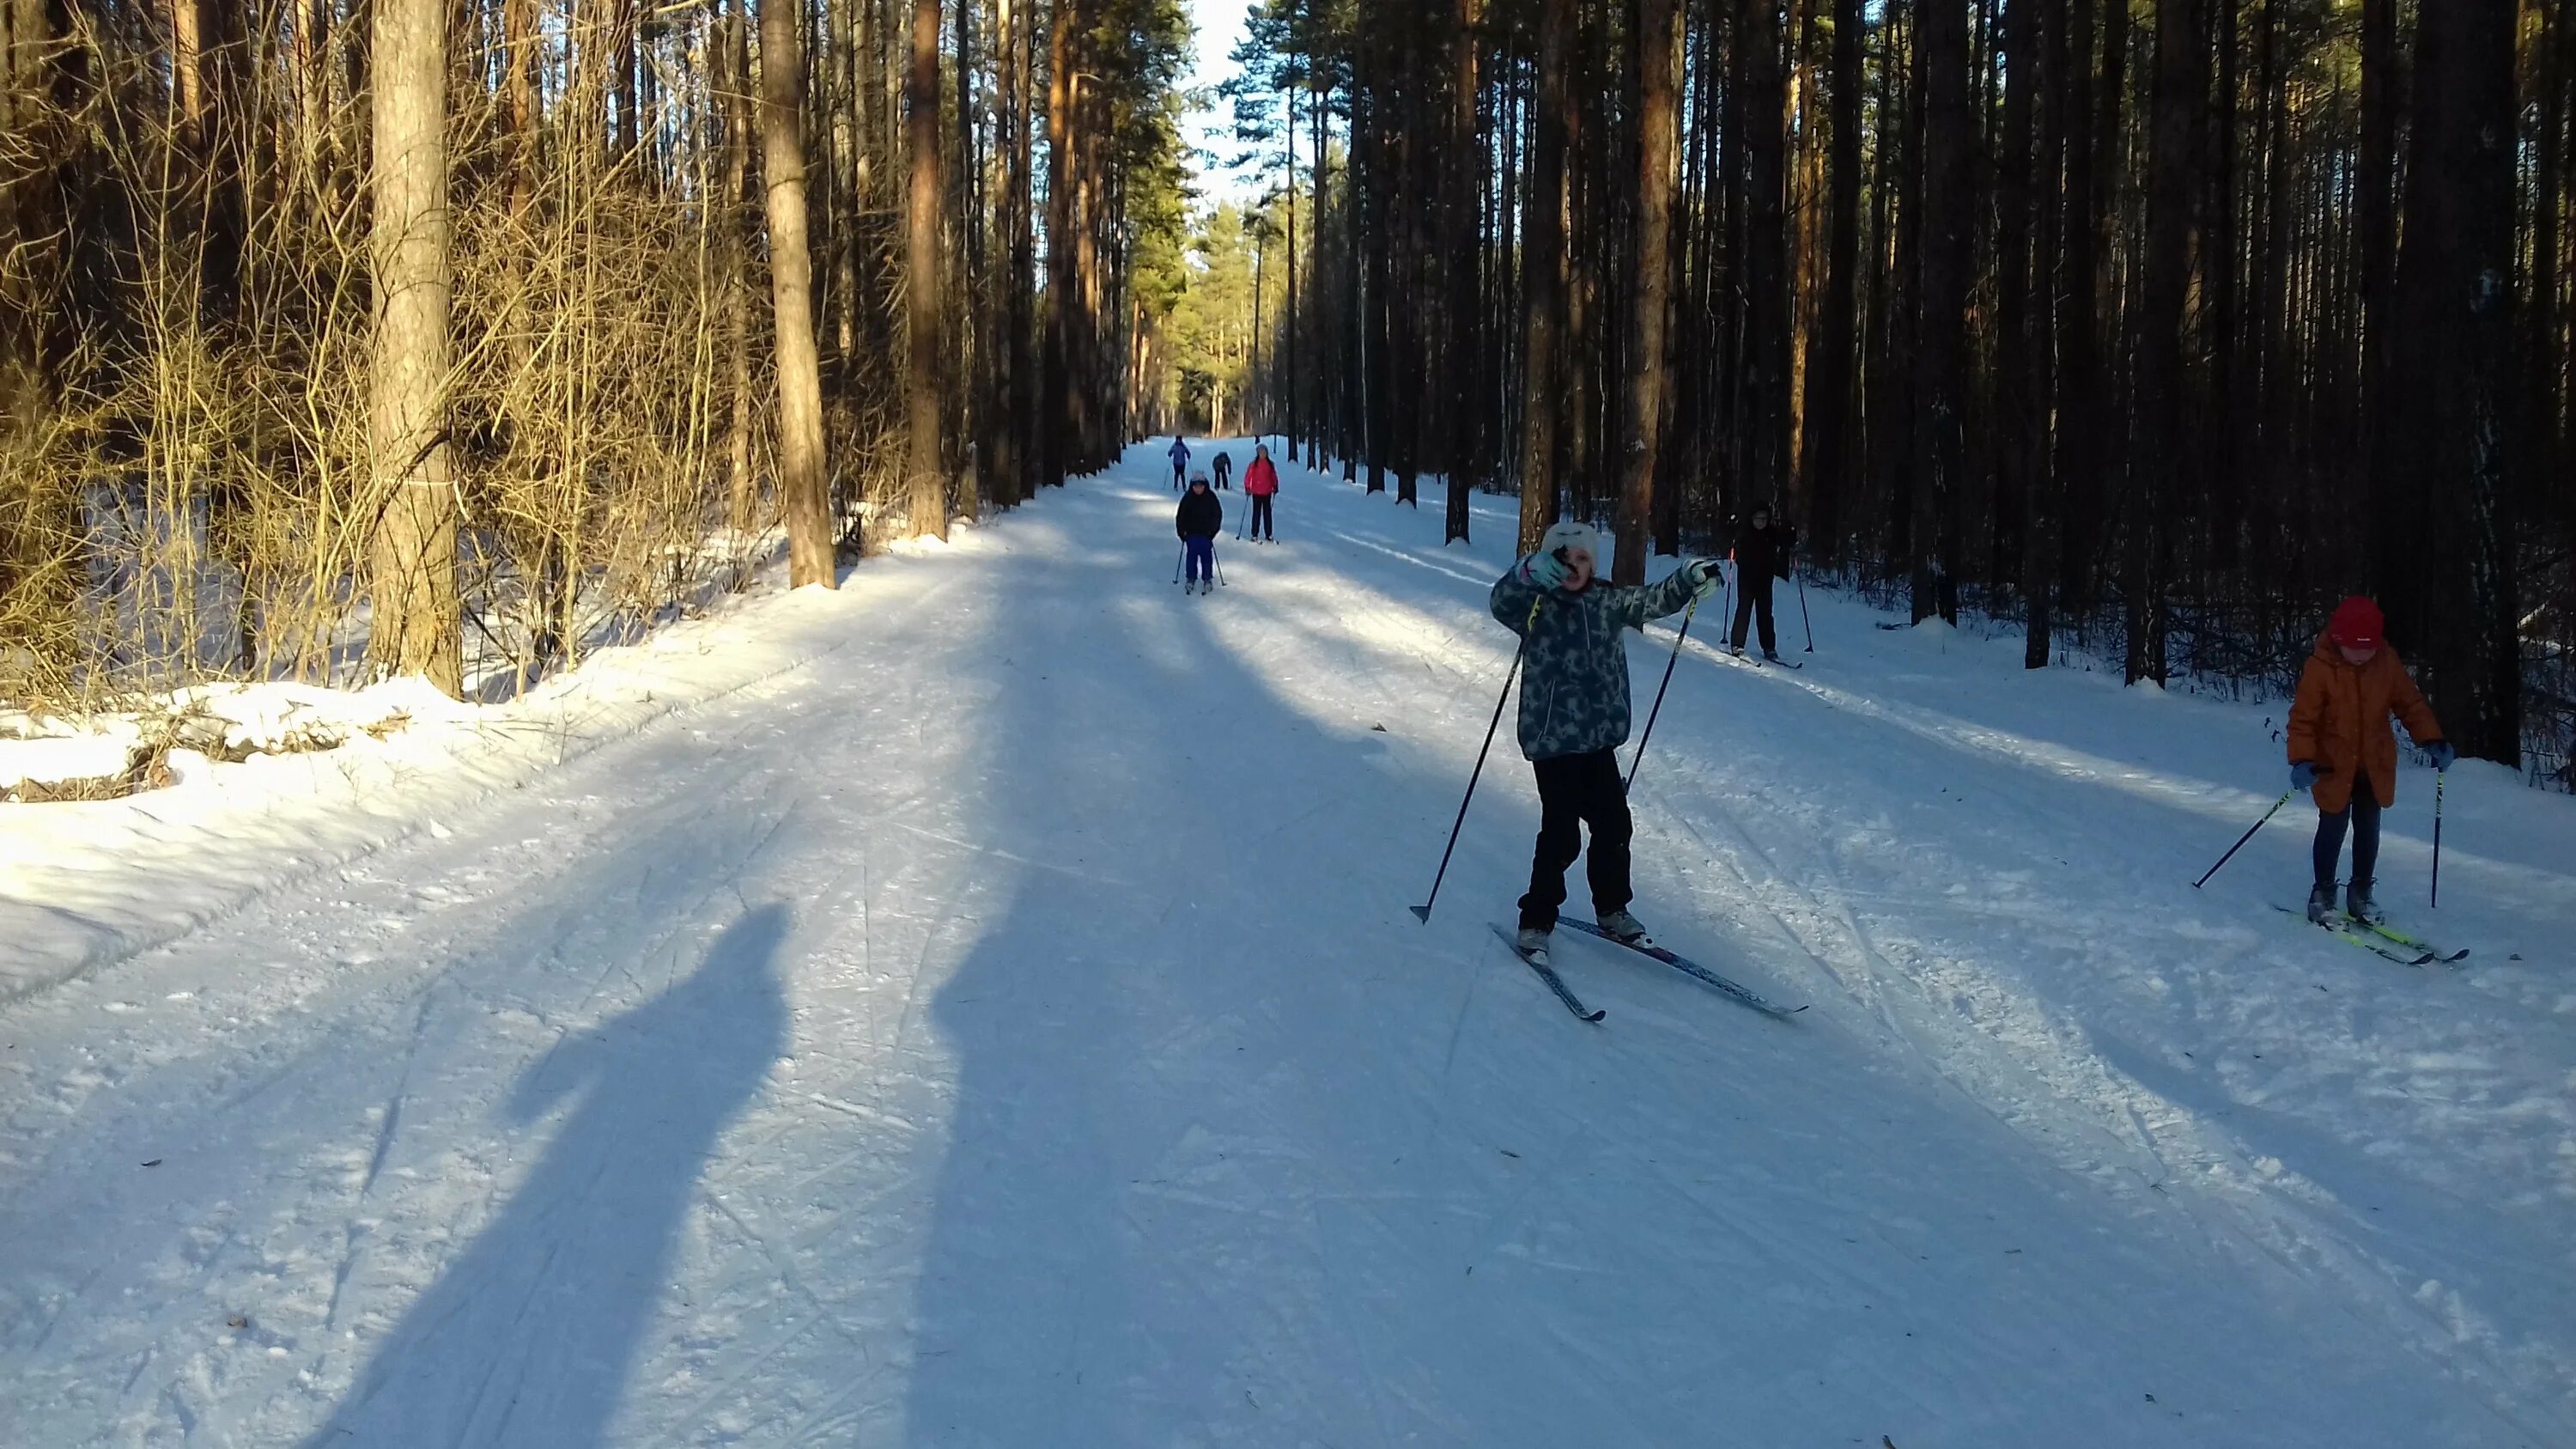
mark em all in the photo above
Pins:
pixel 1693 969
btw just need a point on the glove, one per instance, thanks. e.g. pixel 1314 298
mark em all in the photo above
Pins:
pixel 1543 570
pixel 1704 578
pixel 2443 755
pixel 2303 774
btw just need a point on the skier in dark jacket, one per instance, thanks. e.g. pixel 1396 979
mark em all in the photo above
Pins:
pixel 1574 716
pixel 1224 467
pixel 1200 519
pixel 1761 555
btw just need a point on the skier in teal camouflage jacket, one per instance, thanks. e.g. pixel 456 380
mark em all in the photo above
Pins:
pixel 1574 715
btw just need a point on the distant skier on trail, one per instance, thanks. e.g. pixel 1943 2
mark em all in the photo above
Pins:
pixel 1261 484
pixel 2343 752
pixel 1224 467
pixel 1761 555
pixel 1574 716
pixel 1180 456
pixel 1200 519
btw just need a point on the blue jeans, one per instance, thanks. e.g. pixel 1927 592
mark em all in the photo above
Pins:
pixel 1202 556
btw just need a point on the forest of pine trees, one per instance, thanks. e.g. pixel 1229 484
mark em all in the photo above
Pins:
pixel 2150 327
pixel 350 337
pixel 491 327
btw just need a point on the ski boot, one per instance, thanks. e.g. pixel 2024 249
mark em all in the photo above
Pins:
pixel 1772 655
pixel 1532 945
pixel 2358 904
pixel 1625 929
pixel 2320 904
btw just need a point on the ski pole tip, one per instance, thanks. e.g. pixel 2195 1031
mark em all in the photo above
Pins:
pixel 1421 913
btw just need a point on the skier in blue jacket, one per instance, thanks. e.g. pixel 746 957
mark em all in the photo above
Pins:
pixel 1574 716
pixel 1180 455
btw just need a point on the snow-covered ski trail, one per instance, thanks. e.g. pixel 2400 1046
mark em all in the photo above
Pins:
pixel 1005 1028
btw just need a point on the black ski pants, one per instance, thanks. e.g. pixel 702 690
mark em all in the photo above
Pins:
pixel 2362 816
pixel 1575 791
pixel 1261 515
pixel 1753 593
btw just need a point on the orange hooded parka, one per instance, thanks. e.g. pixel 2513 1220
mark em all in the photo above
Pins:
pixel 2340 721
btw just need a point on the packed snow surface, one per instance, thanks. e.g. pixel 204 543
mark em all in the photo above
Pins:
pixel 979 1008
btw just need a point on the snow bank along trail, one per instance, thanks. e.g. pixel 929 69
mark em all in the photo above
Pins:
pixel 1005 1028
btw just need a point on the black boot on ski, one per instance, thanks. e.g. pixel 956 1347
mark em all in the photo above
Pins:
pixel 1625 929
pixel 1771 654
pixel 2320 903
pixel 2358 904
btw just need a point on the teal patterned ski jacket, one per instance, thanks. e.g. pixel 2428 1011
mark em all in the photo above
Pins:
pixel 1574 664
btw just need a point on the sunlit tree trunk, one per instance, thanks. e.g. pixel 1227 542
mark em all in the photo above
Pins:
pixel 1658 41
pixel 924 470
pixel 418 625
pixel 791 284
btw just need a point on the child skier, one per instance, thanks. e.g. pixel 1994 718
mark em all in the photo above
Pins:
pixel 1180 456
pixel 2342 751
pixel 1761 555
pixel 1574 716
pixel 1224 470
pixel 1261 484
pixel 1200 520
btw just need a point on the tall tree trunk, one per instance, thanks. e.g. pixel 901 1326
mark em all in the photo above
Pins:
pixel 734 68
pixel 1464 253
pixel 2157 449
pixel 1544 289
pixel 1013 361
pixel 1940 341
pixel 2018 415
pixel 419 625
pixel 2545 359
pixel 1658 40
pixel 801 464
pixel 2093 418
pixel 1767 324
pixel 1055 438
pixel 2396 513
pixel 1826 436
pixel 2051 176
pixel 2455 399
pixel 927 478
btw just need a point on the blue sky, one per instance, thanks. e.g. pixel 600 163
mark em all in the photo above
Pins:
pixel 1220 28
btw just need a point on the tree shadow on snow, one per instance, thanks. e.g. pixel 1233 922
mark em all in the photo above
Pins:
pixel 529 1335
pixel 1118 1253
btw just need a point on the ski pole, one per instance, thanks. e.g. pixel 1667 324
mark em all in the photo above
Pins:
pixel 2437 840
pixel 1220 568
pixel 1649 731
pixel 1422 912
pixel 2259 824
pixel 1802 612
pixel 1176 563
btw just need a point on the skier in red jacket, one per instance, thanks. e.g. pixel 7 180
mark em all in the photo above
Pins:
pixel 1261 482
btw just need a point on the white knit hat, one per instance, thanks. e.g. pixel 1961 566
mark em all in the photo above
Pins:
pixel 1570 534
